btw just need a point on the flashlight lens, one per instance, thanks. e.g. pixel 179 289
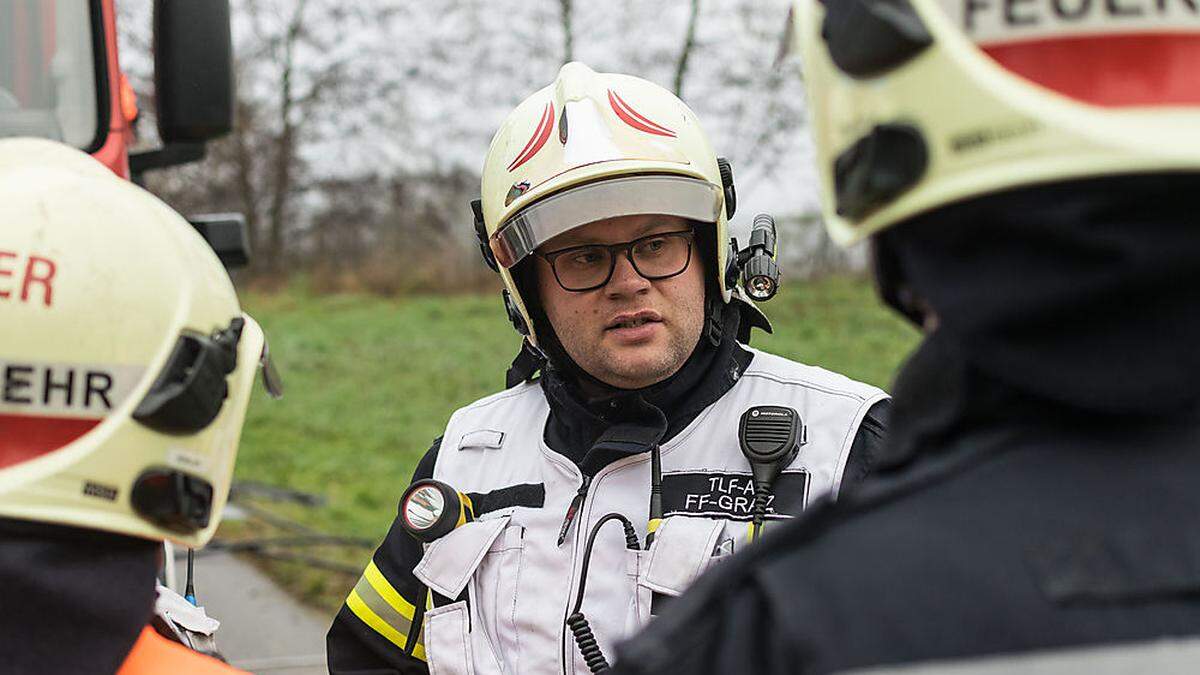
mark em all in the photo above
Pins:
pixel 424 507
pixel 761 288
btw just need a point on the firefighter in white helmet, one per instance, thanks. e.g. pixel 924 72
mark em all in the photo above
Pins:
pixel 126 366
pixel 605 210
pixel 1027 173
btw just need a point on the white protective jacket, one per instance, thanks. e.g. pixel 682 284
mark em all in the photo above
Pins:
pixel 517 584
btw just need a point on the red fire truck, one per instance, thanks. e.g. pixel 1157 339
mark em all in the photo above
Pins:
pixel 60 79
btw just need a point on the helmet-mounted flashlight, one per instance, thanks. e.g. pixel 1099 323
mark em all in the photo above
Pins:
pixel 760 272
pixel 431 509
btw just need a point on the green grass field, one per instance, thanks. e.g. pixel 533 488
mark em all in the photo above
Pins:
pixel 371 382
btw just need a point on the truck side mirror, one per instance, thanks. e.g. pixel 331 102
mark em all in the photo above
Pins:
pixel 226 234
pixel 193 70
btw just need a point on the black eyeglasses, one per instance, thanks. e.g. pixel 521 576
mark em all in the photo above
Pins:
pixel 588 267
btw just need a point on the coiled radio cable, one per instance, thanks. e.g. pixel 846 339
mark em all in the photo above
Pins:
pixel 576 621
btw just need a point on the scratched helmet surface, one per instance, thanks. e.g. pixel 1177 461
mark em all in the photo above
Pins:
pixel 125 363
pixel 593 146
pixel 919 103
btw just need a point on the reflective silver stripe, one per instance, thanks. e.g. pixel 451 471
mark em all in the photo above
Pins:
pixel 1162 657
pixel 680 196
pixel 374 610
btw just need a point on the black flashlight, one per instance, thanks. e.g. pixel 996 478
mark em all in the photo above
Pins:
pixel 431 509
pixel 760 272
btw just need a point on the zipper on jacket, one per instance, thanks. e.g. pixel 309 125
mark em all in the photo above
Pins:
pixel 573 509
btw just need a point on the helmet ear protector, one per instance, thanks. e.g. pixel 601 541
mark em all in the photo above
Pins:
pixel 173 500
pixel 866 38
pixel 481 235
pixel 189 393
pixel 727 186
pixel 879 167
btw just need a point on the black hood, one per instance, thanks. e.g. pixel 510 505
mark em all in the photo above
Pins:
pixel 74 601
pixel 1084 295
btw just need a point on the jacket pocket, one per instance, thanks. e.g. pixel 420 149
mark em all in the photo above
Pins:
pixel 494 595
pixel 448 640
pixel 684 547
pixel 636 564
pixel 465 637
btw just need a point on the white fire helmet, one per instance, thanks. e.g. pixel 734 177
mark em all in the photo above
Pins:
pixel 916 104
pixel 593 146
pixel 126 363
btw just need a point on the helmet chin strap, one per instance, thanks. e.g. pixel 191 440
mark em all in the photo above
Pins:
pixel 527 362
pixel 714 319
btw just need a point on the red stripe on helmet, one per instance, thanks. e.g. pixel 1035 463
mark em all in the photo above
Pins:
pixel 635 119
pixel 26 437
pixel 538 139
pixel 1144 69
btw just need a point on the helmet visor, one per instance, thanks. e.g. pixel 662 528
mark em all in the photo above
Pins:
pixel 689 198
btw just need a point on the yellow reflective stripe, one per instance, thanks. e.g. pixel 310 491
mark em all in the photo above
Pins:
pixel 385 591
pixel 653 525
pixel 369 617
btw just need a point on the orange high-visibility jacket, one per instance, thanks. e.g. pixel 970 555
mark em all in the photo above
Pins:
pixel 154 654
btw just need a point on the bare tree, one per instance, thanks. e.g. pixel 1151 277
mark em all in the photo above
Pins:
pixel 689 43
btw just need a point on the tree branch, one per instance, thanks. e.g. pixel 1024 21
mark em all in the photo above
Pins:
pixel 568 37
pixel 689 42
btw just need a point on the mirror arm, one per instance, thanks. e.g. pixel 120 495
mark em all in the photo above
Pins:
pixel 171 154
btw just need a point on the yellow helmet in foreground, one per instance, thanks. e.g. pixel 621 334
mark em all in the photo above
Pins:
pixel 916 104
pixel 126 363
pixel 593 146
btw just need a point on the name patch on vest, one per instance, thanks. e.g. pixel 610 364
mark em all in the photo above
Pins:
pixel 731 495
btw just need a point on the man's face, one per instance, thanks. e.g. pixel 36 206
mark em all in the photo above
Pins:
pixel 631 332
